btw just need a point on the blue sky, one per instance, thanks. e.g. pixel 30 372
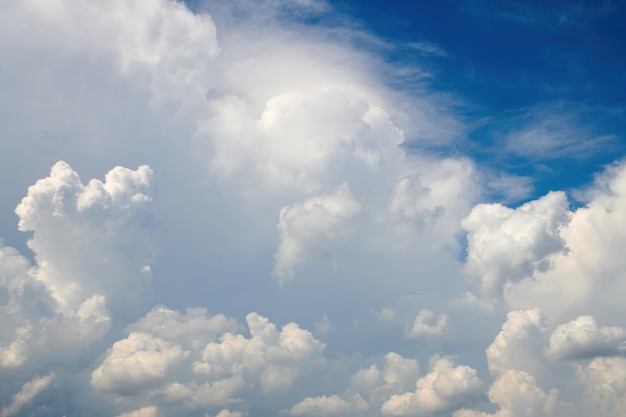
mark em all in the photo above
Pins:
pixel 514 63
pixel 312 208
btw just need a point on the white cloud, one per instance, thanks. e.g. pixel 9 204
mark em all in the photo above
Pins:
pixel 26 394
pixel 427 325
pixel 149 411
pixel 604 380
pixel 428 48
pixel 311 225
pixel 90 243
pixel 156 40
pixel 445 388
pixel 434 197
pixel 514 359
pixel 324 326
pixel 582 338
pixel 228 413
pixel 386 314
pixel 300 134
pixel 276 114
pixel 518 344
pixel 587 278
pixel 321 406
pixel 367 390
pixel 106 230
pixel 196 326
pixel 194 360
pixel 506 245
pixel 275 358
pixel 517 394
pixel 553 130
pixel 139 361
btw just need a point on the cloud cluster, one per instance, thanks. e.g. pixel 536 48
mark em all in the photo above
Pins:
pixel 587 277
pixel 185 361
pixel 523 359
pixel 398 390
pixel 248 115
pixel 513 360
pixel 445 388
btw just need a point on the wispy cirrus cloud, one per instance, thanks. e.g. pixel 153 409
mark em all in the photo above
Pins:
pixel 558 130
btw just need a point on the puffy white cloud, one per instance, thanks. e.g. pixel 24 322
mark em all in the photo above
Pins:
pixel 427 325
pixel 321 406
pixel 517 394
pixel 582 338
pixel 301 135
pixel 583 278
pixel 228 413
pixel 434 196
pixel 508 245
pixel 16 282
pixel 156 40
pixel 589 277
pixel 311 225
pixel 149 411
pixel 107 233
pixel 193 360
pixel 139 361
pixel 367 389
pixel 399 372
pixel 274 357
pixel 518 344
pixel 193 329
pixel 397 375
pixel 26 394
pixel 91 244
pixel 604 380
pixel 386 314
pixel 445 388
pixel 397 390
pixel 514 359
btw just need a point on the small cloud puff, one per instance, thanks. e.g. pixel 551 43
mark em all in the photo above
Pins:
pixel 149 411
pixel 386 314
pixel 427 325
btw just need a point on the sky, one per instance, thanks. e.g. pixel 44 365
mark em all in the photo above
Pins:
pixel 312 208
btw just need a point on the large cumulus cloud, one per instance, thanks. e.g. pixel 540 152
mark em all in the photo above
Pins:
pixel 92 245
pixel 251 117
